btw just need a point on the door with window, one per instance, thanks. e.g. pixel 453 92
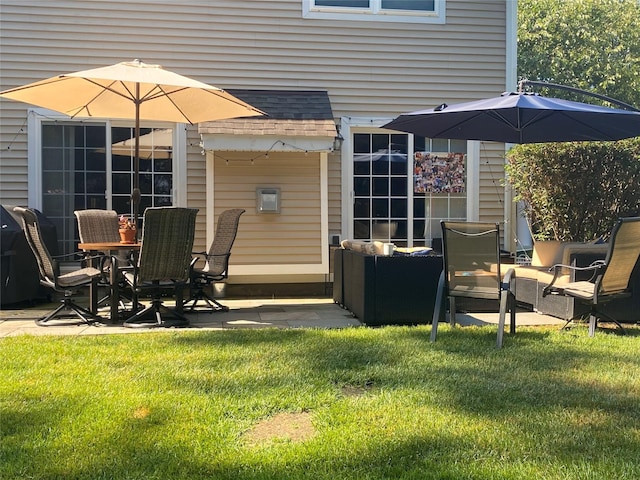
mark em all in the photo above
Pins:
pixel 402 186
pixel 90 165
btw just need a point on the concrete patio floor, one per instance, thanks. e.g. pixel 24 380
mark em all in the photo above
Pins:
pixel 243 313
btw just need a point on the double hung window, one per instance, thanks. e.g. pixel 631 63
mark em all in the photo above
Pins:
pixel 410 11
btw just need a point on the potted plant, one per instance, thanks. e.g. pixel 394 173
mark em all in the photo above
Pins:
pixel 127 229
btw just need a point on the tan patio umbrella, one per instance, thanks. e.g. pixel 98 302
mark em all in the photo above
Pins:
pixel 133 91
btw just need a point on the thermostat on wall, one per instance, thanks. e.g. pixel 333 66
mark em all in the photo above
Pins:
pixel 268 200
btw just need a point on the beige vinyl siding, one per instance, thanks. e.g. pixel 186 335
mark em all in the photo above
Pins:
pixel 197 187
pixel 290 237
pixel 370 69
pixel 13 154
pixel 492 182
pixel 334 193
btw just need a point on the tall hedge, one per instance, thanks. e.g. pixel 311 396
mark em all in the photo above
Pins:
pixel 575 191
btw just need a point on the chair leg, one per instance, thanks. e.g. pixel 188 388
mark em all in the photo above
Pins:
pixel 593 322
pixel 512 311
pixel 452 311
pixel 211 303
pixel 156 307
pixel 594 317
pixel 437 309
pixel 504 304
pixel 67 304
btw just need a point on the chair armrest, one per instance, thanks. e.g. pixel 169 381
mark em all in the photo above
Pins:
pixel 509 281
pixel 206 257
pixel 73 254
pixel 595 267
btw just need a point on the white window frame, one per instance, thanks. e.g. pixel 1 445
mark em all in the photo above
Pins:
pixel 374 13
pixel 36 117
pixel 347 124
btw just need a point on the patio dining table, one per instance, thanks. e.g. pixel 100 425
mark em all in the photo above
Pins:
pixel 113 248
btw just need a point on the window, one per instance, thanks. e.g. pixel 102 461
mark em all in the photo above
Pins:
pixel 409 11
pixel 398 187
pixel 90 165
pixel 73 175
pixel 440 186
pixel 156 177
pixel 380 179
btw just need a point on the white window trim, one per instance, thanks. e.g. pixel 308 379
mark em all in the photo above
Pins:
pixel 38 116
pixel 347 194
pixel 375 13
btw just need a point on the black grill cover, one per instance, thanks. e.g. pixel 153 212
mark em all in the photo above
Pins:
pixel 18 268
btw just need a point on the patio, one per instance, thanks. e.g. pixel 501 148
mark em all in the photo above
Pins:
pixel 243 313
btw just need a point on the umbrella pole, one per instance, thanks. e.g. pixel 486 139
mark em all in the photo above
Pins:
pixel 135 195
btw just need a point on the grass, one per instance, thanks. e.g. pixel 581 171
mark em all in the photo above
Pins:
pixel 383 403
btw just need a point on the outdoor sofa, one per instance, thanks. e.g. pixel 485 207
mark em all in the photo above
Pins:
pixel 532 279
pixel 398 289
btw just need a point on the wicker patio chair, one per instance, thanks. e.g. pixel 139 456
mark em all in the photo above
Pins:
pixel 471 255
pixel 163 265
pixel 98 226
pixel 69 283
pixel 95 225
pixel 611 277
pixel 216 262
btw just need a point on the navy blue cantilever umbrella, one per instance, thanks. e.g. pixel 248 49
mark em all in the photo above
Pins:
pixel 521 118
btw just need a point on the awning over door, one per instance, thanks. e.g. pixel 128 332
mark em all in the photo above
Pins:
pixel 297 120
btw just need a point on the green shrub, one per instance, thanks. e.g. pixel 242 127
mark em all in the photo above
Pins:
pixel 575 191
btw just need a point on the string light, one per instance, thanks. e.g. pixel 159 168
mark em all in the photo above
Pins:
pixel 271 149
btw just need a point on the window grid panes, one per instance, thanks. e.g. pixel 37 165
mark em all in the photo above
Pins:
pixel 74 172
pixel 156 176
pixel 380 185
pixel 73 175
pixel 375 5
pixel 386 179
pixel 440 186
pixel 406 11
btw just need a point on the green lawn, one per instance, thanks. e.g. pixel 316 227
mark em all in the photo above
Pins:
pixel 383 404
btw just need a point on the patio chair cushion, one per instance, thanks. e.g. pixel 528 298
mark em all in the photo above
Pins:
pixel 78 277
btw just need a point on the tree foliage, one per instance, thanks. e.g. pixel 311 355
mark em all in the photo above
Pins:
pixel 575 191
pixel 589 44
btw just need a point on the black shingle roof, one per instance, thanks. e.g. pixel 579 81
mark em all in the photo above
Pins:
pixel 290 113
pixel 288 104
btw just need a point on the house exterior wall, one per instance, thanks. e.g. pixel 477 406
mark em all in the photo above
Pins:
pixel 273 244
pixel 370 69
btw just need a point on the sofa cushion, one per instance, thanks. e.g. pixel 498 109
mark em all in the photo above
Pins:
pixel 361 246
pixel 539 274
pixel 552 252
pixel 571 249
